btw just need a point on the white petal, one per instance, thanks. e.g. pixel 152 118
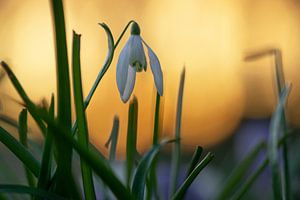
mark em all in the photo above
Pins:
pixel 137 53
pixel 122 67
pixel 156 70
pixel 129 84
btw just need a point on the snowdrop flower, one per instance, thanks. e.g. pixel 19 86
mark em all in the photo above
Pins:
pixel 132 59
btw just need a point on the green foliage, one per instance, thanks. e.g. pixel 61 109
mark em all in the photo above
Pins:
pixel 54 171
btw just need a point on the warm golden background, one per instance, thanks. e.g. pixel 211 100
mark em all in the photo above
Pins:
pixel 209 37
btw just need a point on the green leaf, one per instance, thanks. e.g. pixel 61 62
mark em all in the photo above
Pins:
pixel 83 134
pixel 20 151
pixel 239 194
pixel 139 180
pixel 47 157
pixel 64 182
pixel 100 166
pixel 195 159
pixel 131 152
pixel 177 149
pixel 23 139
pixel 113 139
pixel 107 62
pixel 29 105
pixel 189 180
pixel 20 189
pixel 239 172
pixel 276 127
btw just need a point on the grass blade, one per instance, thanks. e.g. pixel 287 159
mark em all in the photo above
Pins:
pixel 113 139
pixel 94 159
pixel 23 140
pixel 20 189
pixel 246 186
pixel 64 183
pixel 20 151
pixel 239 172
pixel 139 180
pixel 276 127
pixel 83 134
pixel 100 167
pixel 195 159
pixel 47 157
pixel 177 150
pixel 131 152
pixel 186 184
pixel 107 62
pixel 29 105
pixel 239 194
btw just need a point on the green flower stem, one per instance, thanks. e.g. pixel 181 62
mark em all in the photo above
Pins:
pixel 83 135
pixel 106 65
pixel 152 189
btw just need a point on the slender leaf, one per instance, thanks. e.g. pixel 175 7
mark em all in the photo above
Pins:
pixel 139 180
pixel 29 105
pixel 47 157
pixel 23 139
pixel 20 151
pixel 195 159
pixel 101 167
pixel 106 65
pixel 131 152
pixel 239 194
pixel 276 127
pixel 83 134
pixel 186 184
pixel 20 189
pixel 177 150
pixel 113 139
pixel 64 183
pixel 239 172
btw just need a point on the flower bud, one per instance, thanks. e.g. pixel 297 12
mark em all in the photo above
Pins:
pixel 135 29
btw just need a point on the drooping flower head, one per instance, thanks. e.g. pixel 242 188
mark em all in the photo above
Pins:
pixel 132 59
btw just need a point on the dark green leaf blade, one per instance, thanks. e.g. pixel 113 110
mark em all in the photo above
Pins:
pixel 139 180
pixel 195 159
pixel 186 184
pixel 20 189
pixel 47 156
pixel 20 151
pixel 23 139
pixel 239 172
pixel 83 134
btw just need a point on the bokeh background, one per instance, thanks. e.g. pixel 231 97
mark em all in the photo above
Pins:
pixel 227 102
pixel 209 38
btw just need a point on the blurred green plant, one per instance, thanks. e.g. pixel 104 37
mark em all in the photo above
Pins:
pixel 51 177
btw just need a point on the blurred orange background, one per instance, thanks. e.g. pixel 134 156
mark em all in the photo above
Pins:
pixel 209 37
